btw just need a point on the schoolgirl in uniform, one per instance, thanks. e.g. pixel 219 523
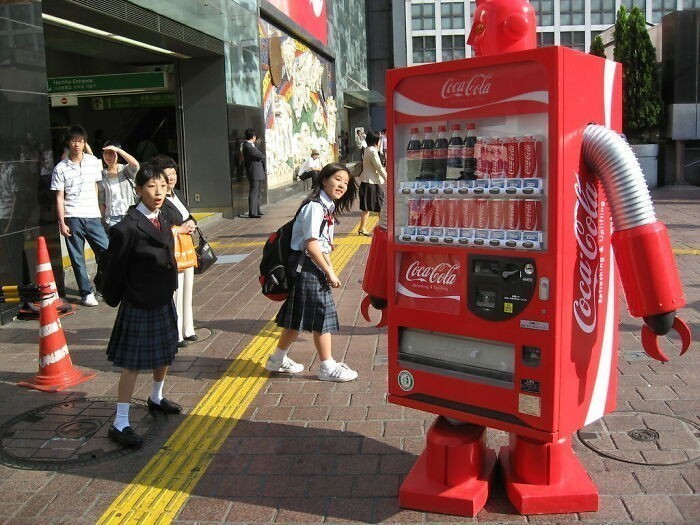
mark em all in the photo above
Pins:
pixel 141 274
pixel 310 306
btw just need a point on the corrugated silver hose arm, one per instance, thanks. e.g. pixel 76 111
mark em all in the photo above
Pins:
pixel 611 158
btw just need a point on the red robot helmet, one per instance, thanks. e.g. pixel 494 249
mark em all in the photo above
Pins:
pixel 501 26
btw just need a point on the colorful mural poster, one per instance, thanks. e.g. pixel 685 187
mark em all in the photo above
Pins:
pixel 298 104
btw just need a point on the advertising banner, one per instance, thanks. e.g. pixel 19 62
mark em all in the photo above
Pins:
pixel 309 14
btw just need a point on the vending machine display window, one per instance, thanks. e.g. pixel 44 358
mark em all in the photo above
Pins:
pixel 444 353
pixel 483 186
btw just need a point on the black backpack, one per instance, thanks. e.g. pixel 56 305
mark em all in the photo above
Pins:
pixel 280 264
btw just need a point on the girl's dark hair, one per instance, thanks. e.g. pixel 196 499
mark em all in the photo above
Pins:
pixel 372 138
pixel 343 204
pixel 164 162
pixel 148 171
pixel 111 142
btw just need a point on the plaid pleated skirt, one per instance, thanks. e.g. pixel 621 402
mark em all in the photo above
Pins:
pixel 143 339
pixel 309 306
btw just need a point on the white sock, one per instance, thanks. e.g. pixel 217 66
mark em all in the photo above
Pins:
pixel 157 391
pixel 122 419
pixel 279 355
pixel 328 364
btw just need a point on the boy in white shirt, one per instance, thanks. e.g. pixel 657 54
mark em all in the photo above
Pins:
pixel 75 181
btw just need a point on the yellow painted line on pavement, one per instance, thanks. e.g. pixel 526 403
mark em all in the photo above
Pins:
pixel 160 489
pixel 685 251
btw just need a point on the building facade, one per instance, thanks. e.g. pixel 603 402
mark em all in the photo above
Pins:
pixel 435 30
pixel 179 77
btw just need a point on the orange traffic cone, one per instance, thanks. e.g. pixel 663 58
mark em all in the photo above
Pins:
pixel 56 371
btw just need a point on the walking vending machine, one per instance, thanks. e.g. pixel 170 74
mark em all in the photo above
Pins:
pixel 506 178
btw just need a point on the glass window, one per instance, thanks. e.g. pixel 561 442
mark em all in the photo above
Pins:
pixel 603 12
pixel 452 14
pixel 572 12
pixel 545 39
pixel 660 8
pixel 422 16
pixel 544 9
pixel 641 4
pixel 423 49
pixel 453 47
pixel 573 39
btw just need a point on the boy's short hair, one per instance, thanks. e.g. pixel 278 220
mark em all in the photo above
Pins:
pixel 76 131
pixel 250 133
pixel 148 170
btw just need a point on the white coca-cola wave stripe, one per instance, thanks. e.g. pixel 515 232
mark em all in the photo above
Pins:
pixel 405 105
pixel 602 381
pixel 408 293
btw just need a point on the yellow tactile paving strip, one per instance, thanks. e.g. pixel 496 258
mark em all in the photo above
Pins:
pixel 161 488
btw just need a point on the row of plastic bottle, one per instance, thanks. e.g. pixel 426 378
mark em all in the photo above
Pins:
pixel 441 159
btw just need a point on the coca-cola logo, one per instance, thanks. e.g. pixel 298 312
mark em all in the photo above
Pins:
pixel 442 273
pixel 586 234
pixel 479 84
pixel 528 157
pixel 512 157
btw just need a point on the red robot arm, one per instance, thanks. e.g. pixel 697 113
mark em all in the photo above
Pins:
pixel 641 245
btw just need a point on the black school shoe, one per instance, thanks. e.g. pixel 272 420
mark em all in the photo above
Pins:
pixel 192 337
pixel 167 407
pixel 125 437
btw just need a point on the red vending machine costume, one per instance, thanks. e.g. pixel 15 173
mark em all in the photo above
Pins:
pixel 501 288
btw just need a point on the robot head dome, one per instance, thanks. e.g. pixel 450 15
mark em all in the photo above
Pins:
pixel 501 26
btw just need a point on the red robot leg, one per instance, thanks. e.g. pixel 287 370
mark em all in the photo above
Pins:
pixel 546 478
pixel 453 473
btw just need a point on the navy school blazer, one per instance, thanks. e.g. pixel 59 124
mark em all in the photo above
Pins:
pixel 140 266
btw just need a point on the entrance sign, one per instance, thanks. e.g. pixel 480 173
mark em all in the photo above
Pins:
pixel 154 80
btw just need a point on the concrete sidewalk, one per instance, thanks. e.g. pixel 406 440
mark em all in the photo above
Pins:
pixel 299 450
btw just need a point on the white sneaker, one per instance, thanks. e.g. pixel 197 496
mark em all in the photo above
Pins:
pixel 89 300
pixel 340 373
pixel 286 366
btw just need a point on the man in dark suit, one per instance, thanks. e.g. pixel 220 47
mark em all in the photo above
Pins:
pixel 254 161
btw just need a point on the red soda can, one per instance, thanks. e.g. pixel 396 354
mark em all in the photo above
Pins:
pixel 414 212
pixel 512 153
pixel 482 213
pixel 452 215
pixel 467 209
pixel 529 161
pixel 497 214
pixel 439 213
pixel 513 214
pixel 531 215
pixel 425 217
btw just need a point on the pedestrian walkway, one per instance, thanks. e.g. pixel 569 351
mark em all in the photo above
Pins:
pixel 250 447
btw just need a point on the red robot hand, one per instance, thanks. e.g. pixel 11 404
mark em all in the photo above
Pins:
pixel 374 282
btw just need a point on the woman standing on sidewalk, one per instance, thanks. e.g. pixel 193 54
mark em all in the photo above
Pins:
pixel 310 306
pixel 372 182
pixel 180 216
pixel 140 277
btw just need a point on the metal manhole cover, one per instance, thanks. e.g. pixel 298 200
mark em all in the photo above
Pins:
pixel 70 434
pixel 634 437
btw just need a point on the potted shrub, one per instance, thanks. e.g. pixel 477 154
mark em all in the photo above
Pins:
pixel 642 106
